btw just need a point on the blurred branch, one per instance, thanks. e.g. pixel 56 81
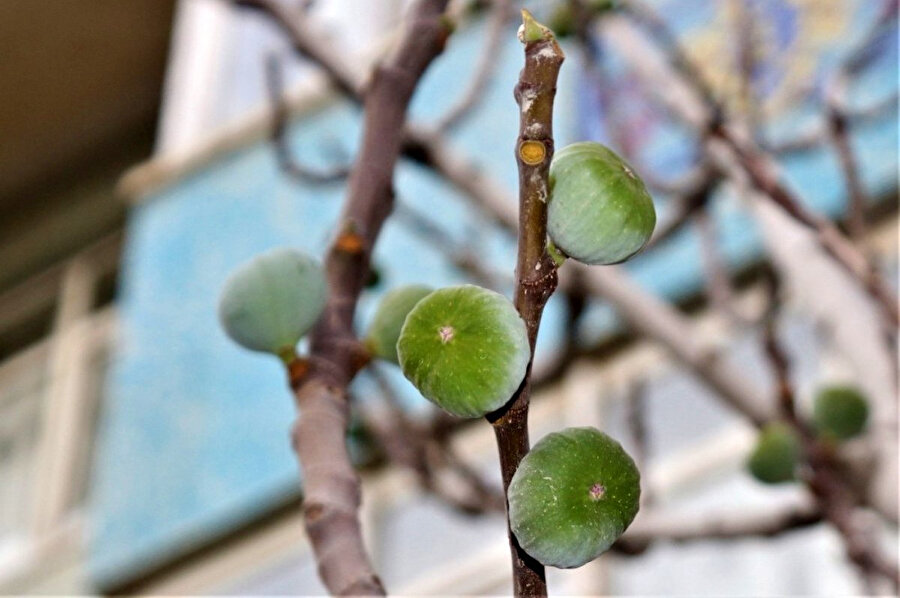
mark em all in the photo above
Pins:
pixel 288 164
pixel 331 486
pixel 819 135
pixel 657 526
pixel 687 206
pixel 306 42
pixel 484 70
pixel 437 238
pixel 636 420
pixel 425 449
pixel 833 493
pixel 661 322
pixel 718 280
pixel 837 118
pixel 691 100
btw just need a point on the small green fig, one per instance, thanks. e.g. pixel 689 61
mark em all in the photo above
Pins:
pixel 389 317
pixel 572 497
pixel 271 301
pixel 775 457
pixel 840 412
pixel 465 348
pixel 599 211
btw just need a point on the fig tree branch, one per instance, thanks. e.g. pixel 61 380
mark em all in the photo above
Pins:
pixel 836 115
pixel 536 277
pixel 484 70
pixel 331 485
pixel 693 101
pixel 833 493
pixel 286 161
pixel 776 519
pixel 425 449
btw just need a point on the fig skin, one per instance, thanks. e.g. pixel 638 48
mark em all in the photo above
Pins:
pixel 269 302
pixel 775 457
pixel 600 211
pixel 572 497
pixel 465 348
pixel 384 330
pixel 840 412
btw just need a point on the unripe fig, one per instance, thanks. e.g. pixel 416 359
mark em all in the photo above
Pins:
pixel 599 211
pixel 389 317
pixel 572 496
pixel 271 301
pixel 465 348
pixel 840 412
pixel 775 457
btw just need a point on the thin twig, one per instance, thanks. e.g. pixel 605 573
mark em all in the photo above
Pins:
pixel 425 449
pixel 721 138
pixel 686 207
pixel 817 136
pixel 636 420
pixel 836 500
pixel 837 117
pixel 718 280
pixel 484 70
pixel 286 161
pixel 437 238
pixel 656 526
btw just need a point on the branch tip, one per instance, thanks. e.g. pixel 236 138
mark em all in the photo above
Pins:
pixel 531 31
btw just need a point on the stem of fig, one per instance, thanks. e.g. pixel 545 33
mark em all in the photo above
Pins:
pixel 536 276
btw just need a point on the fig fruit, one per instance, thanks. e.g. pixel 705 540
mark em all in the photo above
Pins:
pixel 271 301
pixel 599 211
pixel 840 412
pixel 573 495
pixel 389 317
pixel 465 348
pixel 775 457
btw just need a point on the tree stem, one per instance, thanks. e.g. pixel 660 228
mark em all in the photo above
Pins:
pixel 536 276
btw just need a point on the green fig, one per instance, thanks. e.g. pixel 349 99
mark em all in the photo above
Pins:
pixel 465 348
pixel 271 301
pixel 599 211
pixel 389 317
pixel 775 457
pixel 840 412
pixel 572 497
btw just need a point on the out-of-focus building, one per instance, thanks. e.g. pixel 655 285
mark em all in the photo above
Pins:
pixel 142 452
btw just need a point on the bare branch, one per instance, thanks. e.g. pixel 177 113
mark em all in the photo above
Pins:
pixel 656 319
pixel 425 449
pixel 308 44
pixel 657 526
pixel 436 236
pixel 833 493
pixel 686 207
pixel 636 419
pixel 718 280
pixel 817 136
pixel 691 100
pixel 288 164
pixel 484 70
pixel 837 117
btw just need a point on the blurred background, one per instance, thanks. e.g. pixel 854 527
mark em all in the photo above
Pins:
pixel 149 147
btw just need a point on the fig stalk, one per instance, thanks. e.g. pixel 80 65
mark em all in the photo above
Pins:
pixel 536 276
